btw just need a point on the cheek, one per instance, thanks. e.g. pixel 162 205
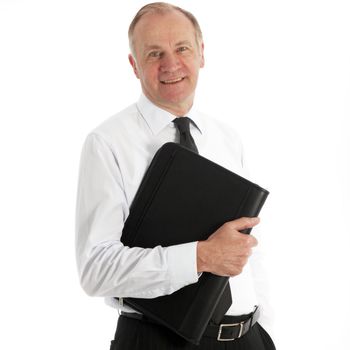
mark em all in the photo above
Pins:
pixel 151 75
pixel 193 70
pixel 193 66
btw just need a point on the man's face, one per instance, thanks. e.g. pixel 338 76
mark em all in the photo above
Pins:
pixel 167 60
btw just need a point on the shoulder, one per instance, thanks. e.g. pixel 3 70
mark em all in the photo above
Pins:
pixel 120 130
pixel 222 129
pixel 117 124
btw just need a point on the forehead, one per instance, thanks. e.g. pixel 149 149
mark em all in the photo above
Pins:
pixel 163 29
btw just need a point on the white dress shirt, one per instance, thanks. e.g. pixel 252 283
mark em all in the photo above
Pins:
pixel 114 159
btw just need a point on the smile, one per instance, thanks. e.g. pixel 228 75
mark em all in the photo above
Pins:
pixel 172 81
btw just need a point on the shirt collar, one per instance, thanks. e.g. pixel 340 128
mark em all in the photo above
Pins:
pixel 157 119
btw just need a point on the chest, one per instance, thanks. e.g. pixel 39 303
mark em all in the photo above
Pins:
pixel 136 161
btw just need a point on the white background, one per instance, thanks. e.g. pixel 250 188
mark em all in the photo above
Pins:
pixel 277 71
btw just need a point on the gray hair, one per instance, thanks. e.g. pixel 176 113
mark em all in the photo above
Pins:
pixel 162 8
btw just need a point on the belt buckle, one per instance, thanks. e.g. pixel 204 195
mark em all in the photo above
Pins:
pixel 240 324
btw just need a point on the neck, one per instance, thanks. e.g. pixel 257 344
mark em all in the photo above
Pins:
pixel 179 109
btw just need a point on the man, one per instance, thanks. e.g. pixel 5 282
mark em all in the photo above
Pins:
pixel 166 56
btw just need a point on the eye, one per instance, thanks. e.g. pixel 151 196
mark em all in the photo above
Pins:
pixel 154 54
pixel 182 49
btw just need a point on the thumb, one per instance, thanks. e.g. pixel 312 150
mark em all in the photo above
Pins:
pixel 244 223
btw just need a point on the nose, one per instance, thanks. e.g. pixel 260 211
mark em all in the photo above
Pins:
pixel 169 63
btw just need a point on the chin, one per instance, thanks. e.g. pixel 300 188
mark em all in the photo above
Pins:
pixel 175 102
pixel 177 98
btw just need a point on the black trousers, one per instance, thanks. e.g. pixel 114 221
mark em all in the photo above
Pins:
pixel 132 334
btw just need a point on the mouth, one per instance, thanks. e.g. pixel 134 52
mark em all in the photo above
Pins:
pixel 172 81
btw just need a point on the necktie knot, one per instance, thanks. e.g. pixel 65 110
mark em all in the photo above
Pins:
pixel 186 139
pixel 182 124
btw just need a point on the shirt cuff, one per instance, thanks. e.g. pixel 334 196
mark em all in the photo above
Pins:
pixel 182 264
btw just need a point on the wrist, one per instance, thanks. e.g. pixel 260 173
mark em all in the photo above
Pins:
pixel 201 256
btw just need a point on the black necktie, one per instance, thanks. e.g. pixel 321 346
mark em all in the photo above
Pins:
pixel 186 139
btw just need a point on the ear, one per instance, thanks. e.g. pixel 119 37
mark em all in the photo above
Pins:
pixel 133 65
pixel 202 54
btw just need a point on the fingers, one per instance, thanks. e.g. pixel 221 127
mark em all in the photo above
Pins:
pixel 243 223
pixel 227 250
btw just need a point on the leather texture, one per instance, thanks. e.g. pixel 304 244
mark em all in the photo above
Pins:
pixel 185 197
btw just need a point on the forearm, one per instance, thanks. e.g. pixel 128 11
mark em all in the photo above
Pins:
pixel 117 271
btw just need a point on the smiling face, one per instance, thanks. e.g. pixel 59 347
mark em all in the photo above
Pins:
pixel 167 58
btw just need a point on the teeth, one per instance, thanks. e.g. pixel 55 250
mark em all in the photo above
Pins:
pixel 172 81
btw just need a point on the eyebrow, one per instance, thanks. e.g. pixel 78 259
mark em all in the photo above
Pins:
pixel 152 47
pixel 184 42
pixel 157 47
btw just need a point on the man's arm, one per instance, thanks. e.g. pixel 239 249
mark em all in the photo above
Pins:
pixel 106 267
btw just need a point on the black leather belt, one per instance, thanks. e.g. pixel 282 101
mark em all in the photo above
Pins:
pixel 229 329
pixel 232 327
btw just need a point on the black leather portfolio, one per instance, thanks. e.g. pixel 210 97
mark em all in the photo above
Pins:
pixel 185 197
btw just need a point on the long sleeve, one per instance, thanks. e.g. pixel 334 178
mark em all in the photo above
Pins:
pixel 106 267
pixel 114 159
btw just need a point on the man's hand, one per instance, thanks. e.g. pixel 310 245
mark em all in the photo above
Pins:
pixel 227 250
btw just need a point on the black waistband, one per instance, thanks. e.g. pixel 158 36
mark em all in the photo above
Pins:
pixel 230 328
